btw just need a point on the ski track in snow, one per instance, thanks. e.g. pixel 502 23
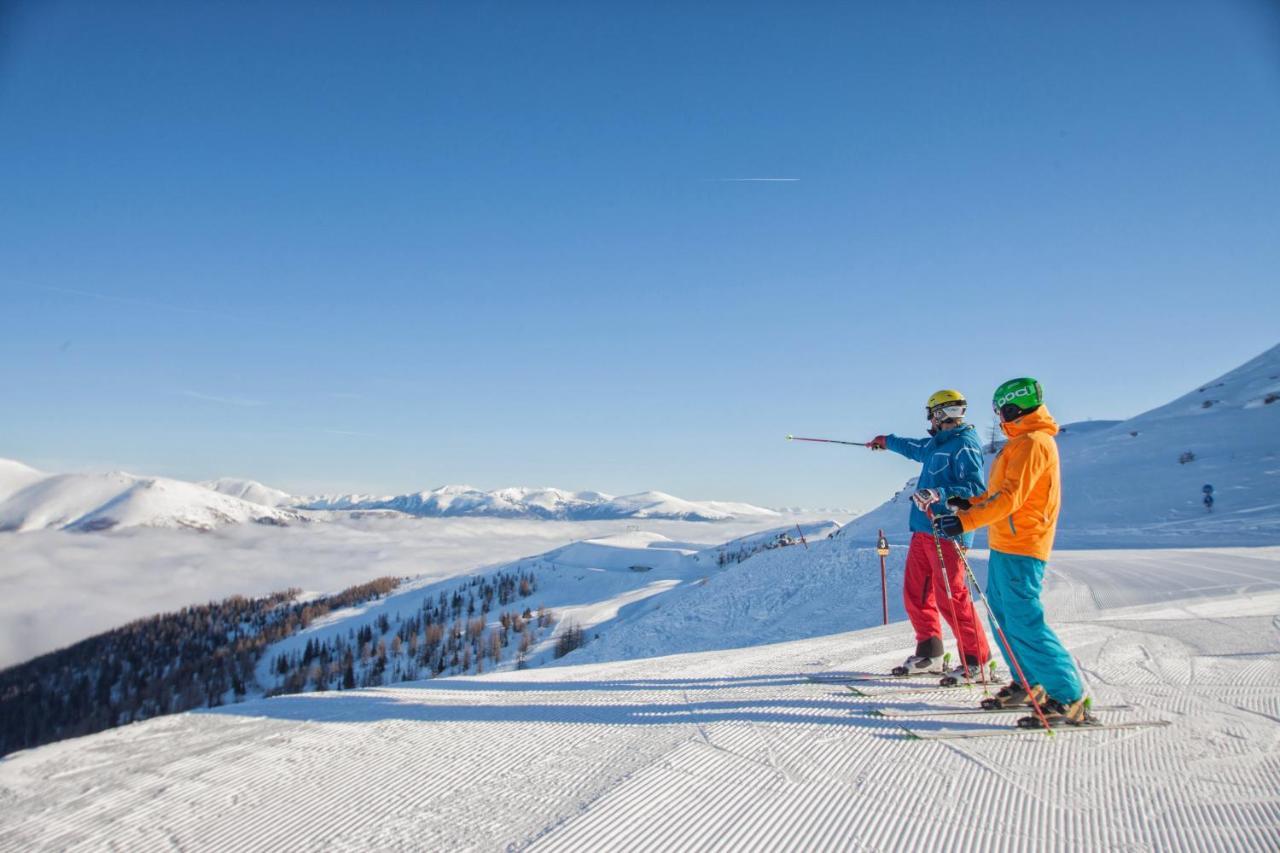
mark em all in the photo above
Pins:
pixel 731 749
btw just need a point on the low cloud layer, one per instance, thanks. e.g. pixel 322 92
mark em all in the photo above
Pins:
pixel 63 587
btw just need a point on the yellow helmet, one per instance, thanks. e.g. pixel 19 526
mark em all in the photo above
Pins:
pixel 947 404
pixel 946 395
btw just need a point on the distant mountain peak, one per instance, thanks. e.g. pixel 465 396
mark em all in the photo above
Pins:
pixel 89 502
pixel 537 502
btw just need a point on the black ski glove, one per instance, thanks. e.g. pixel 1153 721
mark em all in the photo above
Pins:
pixel 958 502
pixel 948 525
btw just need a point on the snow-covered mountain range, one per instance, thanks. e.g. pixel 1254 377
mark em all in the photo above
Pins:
pixel 34 500
pixel 452 501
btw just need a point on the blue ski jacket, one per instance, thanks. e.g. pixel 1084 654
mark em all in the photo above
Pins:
pixel 952 465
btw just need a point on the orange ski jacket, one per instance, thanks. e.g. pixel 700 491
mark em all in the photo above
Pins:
pixel 1024 490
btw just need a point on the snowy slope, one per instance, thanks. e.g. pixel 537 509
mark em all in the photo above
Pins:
pixel 454 501
pixel 636 550
pixel 617 585
pixel 251 491
pixel 1123 483
pixel 104 501
pixel 593 585
pixel 782 594
pixel 662 505
pixel 738 549
pixel 731 749
pixel 14 477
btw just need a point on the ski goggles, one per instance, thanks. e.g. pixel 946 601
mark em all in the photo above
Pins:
pixel 948 412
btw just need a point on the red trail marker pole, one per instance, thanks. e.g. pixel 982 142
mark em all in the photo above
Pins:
pixel 882 548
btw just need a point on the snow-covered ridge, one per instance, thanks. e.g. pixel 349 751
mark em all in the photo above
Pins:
pixel 14 477
pixel 548 503
pixel 34 500
pixel 251 491
pixel 30 500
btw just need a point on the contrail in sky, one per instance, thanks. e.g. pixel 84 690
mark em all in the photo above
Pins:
pixel 226 401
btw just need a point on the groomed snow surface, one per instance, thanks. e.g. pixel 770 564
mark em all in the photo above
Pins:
pixel 727 749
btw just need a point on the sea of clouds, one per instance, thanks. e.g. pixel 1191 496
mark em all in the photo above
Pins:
pixel 62 587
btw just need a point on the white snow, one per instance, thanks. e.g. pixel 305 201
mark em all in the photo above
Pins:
pixel 105 501
pixel 642 593
pixel 731 749
pixel 14 477
pixel 252 491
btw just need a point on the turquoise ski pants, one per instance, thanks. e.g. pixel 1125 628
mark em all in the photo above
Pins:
pixel 1013 591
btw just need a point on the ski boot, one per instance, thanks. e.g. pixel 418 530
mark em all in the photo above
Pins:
pixel 970 671
pixel 923 661
pixel 1012 695
pixel 916 665
pixel 1058 714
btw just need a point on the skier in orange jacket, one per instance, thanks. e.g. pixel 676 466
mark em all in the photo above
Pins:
pixel 1020 507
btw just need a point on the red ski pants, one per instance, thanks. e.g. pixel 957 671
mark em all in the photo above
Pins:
pixel 925 594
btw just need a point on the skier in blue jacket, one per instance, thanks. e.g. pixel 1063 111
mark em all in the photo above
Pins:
pixel 951 460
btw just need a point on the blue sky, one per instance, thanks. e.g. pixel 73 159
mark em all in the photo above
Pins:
pixel 338 248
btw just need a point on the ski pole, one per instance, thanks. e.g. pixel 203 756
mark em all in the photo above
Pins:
pixel 1035 703
pixel 882 548
pixel 828 441
pixel 946 582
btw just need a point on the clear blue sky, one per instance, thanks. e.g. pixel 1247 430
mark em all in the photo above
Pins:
pixel 388 246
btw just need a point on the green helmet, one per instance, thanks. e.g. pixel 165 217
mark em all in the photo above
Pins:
pixel 1015 398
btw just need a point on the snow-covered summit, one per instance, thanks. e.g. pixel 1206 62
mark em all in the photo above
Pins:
pixel 14 477
pixel 251 491
pixel 33 500
pixel 1253 385
pixel 1141 481
pixel 104 501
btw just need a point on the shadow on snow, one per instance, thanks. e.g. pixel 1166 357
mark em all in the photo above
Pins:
pixel 837 708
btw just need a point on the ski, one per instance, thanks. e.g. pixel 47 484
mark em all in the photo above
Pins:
pixel 958 734
pixel 846 678
pixel 890 711
pixel 915 688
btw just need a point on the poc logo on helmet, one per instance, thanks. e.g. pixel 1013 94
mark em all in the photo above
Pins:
pixel 1013 395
